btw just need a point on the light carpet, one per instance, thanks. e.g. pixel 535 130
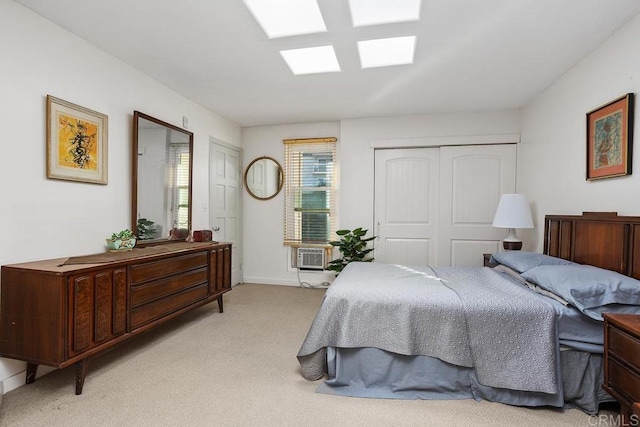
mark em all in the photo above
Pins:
pixel 238 368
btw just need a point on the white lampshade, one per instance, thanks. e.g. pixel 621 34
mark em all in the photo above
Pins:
pixel 513 212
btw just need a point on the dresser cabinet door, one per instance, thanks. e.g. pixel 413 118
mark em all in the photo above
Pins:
pixel 97 308
pixel 220 269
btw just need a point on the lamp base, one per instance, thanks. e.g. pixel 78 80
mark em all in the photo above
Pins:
pixel 511 246
pixel 512 242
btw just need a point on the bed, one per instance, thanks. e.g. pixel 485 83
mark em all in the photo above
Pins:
pixel 527 332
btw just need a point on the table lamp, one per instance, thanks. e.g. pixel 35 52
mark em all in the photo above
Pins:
pixel 513 212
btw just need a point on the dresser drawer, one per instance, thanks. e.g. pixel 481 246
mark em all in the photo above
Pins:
pixel 623 381
pixel 160 308
pixel 624 347
pixel 149 291
pixel 156 269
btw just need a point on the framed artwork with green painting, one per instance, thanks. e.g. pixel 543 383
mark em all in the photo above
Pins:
pixel 610 139
pixel 76 142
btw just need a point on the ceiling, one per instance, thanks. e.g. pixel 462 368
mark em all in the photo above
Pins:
pixel 471 55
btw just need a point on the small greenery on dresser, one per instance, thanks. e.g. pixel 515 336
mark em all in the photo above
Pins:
pixel 122 235
pixel 352 246
pixel 123 240
pixel 146 229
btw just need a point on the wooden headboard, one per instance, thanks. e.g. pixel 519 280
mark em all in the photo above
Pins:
pixel 603 239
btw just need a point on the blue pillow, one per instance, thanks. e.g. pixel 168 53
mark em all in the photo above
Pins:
pixel 590 289
pixel 522 261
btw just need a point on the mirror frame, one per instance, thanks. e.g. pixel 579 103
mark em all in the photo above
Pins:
pixel 280 177
pixel 137 115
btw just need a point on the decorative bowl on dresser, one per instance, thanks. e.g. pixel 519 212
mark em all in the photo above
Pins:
pixel 121 244
pixel 622 363
pixel 61 312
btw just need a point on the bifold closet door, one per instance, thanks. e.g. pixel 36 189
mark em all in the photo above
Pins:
pixel 435 206
pixel 472 178
pixel 406 211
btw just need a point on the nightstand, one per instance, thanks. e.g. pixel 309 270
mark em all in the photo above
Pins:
pixel 622 360
pixel 487 261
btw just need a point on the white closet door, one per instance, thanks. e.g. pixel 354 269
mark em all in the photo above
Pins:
pixel 224 187
pixel 472 178
pixel 406 211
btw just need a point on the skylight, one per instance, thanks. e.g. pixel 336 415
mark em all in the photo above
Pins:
pixel 311 60
pixel 386 52
pixel 375 12
pixel 282 18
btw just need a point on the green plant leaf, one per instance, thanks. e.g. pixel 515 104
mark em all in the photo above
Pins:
pixel 122 235
pixel 352 246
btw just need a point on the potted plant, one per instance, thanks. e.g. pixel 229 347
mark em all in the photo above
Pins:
pixel 146 229
pixel 352 246
pixel 124 240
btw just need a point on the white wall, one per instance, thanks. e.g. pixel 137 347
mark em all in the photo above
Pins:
pixel 357 156
pixel 44 218
pixel 552 154
pixel 266 260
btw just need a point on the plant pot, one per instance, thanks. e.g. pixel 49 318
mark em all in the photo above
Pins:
pixel 119 245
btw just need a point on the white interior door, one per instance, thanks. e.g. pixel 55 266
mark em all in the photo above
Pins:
pixel 225 179
pixel 406 211
pixel 472 178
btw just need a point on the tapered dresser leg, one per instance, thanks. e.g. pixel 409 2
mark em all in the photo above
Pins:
pixel 220 305
pixel 81 372
pixel 31 372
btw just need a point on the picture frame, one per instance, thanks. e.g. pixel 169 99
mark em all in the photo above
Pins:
pixel 77 142
pixel 610 139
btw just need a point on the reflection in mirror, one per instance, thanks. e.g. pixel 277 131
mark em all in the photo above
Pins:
pixel 162 171
pixel 263 178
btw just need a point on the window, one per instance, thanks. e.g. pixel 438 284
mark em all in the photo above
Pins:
pixel 178 190
pixel 310 190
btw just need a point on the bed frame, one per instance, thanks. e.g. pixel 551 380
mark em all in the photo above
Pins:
pixel 603 239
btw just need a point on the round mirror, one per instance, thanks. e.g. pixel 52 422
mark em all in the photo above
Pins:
pixel 263 178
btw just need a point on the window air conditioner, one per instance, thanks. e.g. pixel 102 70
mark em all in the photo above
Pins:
pixel 312 258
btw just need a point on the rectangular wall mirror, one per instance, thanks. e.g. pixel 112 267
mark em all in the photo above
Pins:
pixel 161 179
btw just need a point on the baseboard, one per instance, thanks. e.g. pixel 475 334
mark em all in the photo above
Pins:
pixel 13 382
pixel 313 277
pixel 267 281
pixel 17 380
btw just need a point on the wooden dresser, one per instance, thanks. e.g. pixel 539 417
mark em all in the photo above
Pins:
pixel 622 362
pixel 61 312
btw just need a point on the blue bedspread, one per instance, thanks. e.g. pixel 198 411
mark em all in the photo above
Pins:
pixel 471 317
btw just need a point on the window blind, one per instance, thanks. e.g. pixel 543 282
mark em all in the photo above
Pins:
pixel 178 189
pixel 310 190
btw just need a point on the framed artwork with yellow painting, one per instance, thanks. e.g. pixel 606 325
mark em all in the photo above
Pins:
pixel 76 142
pixel 610 139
